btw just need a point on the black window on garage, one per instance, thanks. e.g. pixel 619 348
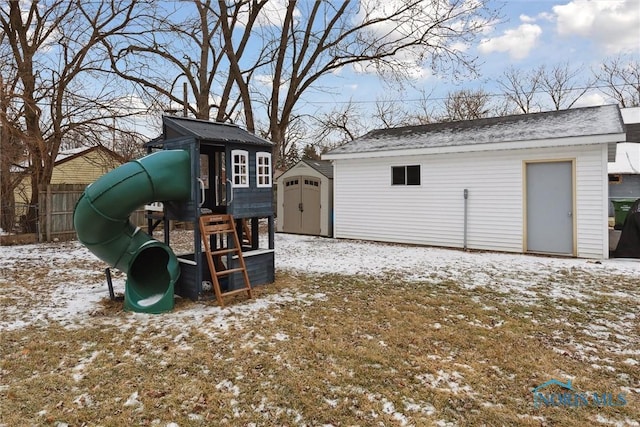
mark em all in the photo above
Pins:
pixel 405 175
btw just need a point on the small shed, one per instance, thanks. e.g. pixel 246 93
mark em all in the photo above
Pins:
pixel 305 198
pixel 532 183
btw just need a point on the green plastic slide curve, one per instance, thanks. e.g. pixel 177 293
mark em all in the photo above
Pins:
pixel 101 220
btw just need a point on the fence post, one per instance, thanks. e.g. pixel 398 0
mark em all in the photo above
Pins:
pixel 48 209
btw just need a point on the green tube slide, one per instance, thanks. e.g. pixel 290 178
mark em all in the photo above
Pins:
pixel 101 220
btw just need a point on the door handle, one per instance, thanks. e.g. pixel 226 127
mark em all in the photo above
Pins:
pixel 300 207
pixel 230 187
pixel 570 213
pixel 202 193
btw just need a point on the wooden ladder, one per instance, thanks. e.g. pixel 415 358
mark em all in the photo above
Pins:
pixel 223 224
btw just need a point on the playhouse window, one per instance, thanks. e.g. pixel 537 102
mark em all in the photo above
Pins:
pixel 240 167
pixel 263 169
pixel 405 175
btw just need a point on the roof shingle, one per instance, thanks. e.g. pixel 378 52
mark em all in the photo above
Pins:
pixel 577 122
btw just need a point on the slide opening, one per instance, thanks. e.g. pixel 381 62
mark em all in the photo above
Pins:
pixel 148 275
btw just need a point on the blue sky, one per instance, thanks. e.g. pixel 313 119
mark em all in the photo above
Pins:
pixel 582 33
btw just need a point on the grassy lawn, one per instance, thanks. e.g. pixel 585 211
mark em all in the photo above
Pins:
pixel 328 349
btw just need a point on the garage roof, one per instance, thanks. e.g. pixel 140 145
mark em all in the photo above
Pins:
pixel 508 132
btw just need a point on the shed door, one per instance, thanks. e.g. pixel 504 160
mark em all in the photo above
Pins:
pixel 311 206
pixel 302 205
pixel 549 215
pixel 292 215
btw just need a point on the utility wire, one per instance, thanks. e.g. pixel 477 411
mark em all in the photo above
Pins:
pixel 397 100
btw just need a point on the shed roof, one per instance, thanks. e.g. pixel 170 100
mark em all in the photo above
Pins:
pixel 325 167
pixel 211 131
pixel 471 135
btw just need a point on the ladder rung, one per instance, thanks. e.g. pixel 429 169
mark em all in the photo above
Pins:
pixel 224 224
pixel 236 291
pixel 224 251
pixel 215 217
pixel 218 229
pixel 231 270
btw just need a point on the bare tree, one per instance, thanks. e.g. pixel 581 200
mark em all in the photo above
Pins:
pixel 339 126
pixel 191 42
pixel 54 50
pixel 424 112
pixel 11 156
pixel 257 59
pixel 389 113
pixel 393 39
pixel 349 121
pixel 467 105
pixel 620 81
pixel 520 88
pixel 563 85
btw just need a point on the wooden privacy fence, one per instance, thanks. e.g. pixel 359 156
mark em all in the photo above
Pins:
pixel 56 204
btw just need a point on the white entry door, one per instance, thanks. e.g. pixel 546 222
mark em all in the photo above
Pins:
pixel 549 215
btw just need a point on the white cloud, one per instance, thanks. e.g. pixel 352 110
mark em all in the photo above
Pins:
pixel 614 24
pixel 460 46
pixel 547 16
pixel 272 14
pixel 264 80
pixel 516 42
pixel 409 66
pixel 527 19
pixel 590 99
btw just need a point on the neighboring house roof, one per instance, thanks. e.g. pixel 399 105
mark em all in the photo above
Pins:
pixel 67 155
pixel 211 131
pixel 602 124
pixel 631 119
pixel 325 167
pixel 633 132
pixel 70 154
pixel 627 159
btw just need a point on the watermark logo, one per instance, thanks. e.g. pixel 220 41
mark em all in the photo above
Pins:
pixel 544 396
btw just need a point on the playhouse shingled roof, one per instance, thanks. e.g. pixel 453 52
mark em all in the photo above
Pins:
pixel 577 122
pixel 212 131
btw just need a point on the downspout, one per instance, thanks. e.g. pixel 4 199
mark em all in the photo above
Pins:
pixel 466 198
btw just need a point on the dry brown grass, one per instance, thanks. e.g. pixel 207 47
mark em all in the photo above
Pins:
pixel 363 351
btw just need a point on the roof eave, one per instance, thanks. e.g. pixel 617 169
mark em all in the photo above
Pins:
pixel 471 148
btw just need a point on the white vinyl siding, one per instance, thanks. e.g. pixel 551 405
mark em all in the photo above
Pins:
pixel 367 207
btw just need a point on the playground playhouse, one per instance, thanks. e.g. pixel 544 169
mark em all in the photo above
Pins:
pixel 214 175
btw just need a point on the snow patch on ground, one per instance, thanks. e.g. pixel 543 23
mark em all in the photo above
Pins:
pixel 519 279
